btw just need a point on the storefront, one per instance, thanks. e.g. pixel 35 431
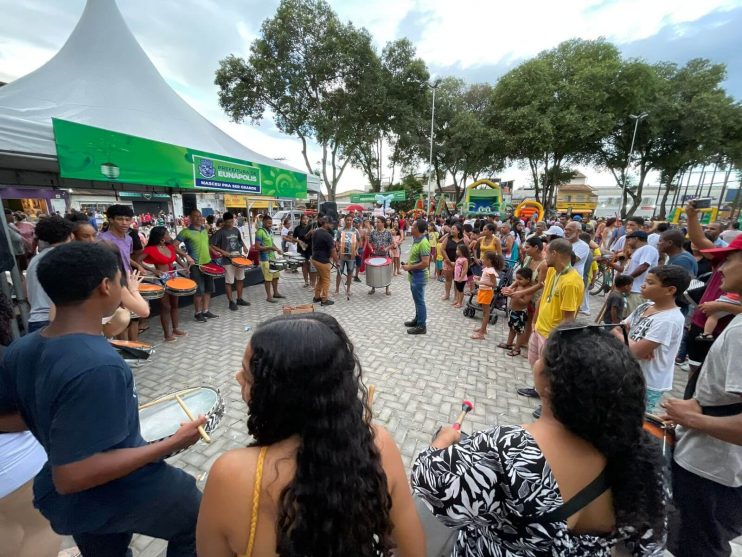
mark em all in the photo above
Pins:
pixel 34 201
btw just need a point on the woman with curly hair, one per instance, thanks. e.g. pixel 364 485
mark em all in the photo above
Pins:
pixel 319 480
pixel 576 482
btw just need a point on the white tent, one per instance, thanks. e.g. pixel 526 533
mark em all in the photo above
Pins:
pixel 101 77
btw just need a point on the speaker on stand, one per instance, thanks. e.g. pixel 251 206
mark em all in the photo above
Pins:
pixel 329 209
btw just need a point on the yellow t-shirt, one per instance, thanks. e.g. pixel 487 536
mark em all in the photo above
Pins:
pixel 568 290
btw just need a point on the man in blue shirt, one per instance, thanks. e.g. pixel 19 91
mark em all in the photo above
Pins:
pixel 69 387
pixel 671 244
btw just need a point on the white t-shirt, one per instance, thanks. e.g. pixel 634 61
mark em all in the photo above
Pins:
pixel 21 458
pixel 666 329
pixel 719 383
pixel 619 244
pixel 582 250
pixel 645 254
pixel 284 232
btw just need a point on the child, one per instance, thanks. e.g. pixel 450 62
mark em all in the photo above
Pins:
pixel 519 300
pixel 460 274
pixel 493 262
pixel 433 239
pixel 615 304
pixel 713 319
pixel 395 249
pixel 439 259
pixel 656 329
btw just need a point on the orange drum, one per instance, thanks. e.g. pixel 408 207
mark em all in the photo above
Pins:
pixel 132 350
pixel 663 432
pixel 151 291
pixel 241 262
pixel 180 287
pixel 212 270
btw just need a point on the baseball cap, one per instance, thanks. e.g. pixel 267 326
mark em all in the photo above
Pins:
pixel 722 253
pixel 640 234
pixel 555 231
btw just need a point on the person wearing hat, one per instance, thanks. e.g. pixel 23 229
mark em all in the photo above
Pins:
pixel 643 257
pixel 707 467
pixel 555 232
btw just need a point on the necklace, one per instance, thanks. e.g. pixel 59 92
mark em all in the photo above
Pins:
pixel 555 283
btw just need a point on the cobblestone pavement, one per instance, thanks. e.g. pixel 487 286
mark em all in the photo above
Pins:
pixel 420 380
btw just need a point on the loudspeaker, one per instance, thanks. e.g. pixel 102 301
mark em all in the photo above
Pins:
pixel 329 209
pixel 189 203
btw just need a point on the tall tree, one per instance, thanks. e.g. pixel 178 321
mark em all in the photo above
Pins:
pixel 317 76
pixel 549 110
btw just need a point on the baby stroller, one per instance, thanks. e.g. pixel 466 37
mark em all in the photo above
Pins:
pixel 499 301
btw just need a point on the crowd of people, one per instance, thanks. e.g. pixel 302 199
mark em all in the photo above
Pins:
pixel 319 477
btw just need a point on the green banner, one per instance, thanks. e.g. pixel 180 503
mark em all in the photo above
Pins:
pixel 88 153
pixel 397 195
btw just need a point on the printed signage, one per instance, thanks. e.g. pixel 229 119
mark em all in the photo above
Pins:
pixel 210 173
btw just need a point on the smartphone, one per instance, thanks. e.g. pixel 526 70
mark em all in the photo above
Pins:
pixel 702 202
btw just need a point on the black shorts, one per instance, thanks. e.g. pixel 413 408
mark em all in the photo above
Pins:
pixel 459 285
pixel 517 320
pixel 204 283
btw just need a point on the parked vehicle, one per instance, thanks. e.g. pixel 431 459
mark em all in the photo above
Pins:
pixel 279 216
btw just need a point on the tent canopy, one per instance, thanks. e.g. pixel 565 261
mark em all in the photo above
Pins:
pixel 102 77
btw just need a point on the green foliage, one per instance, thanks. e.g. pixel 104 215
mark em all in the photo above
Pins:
pixel 413 187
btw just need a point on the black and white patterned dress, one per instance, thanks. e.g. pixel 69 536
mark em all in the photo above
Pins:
pixel 490 484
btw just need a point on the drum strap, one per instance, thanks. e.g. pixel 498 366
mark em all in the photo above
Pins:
pixel 256 502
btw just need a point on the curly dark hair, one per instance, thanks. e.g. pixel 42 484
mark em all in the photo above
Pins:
pixel 156 235
pixel 53 229
pixel 338 502
pixel 597 390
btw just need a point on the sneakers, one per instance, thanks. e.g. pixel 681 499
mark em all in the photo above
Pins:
pixel 356 279
pixel 209 315
pixel 233 306
pixel 327 303
pixel 241 302
pixel 417 330
pixel 410 323
pixel 528 391
pixel 537 412
pixel 200 318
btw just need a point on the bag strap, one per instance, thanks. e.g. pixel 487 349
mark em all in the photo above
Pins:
pixel 256 502
pixel 587 495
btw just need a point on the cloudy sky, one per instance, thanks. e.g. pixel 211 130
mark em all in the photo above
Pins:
pixel 477 40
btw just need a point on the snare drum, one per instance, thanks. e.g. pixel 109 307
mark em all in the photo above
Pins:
pixel 277 265
pixel 212 270
pixel 241 262
pixel 180 286
pixel 151 291
pixel 162 417
pixel 660 430
pixel 133 350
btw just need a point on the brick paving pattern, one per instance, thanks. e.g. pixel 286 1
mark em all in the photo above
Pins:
pixel 420 380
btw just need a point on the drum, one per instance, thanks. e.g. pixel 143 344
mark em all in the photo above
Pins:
pixel 241 262
pixel 162 417
pixel 278 264
pixel 151 291
pixel 212 270
pixel 180 287
pixel 133 350
pixel 660 430
pixel 378 272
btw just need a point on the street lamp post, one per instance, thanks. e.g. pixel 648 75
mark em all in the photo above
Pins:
pixel 432 133
pixel 637 118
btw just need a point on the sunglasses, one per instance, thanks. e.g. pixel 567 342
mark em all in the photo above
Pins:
pixel 597 326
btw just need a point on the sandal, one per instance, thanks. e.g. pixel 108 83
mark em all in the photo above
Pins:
pixel 505 346
pixel 478 336
pixel 705 336
pixel 514 352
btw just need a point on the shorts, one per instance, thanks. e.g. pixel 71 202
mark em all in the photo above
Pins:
pixel 535 347
pixel 231 272
pixel 204 283
pixel 347 266
pixel 459 284
pixel 652 399
pixel 268 275
pixel 517 320
pixel 484 297
pixel 439 264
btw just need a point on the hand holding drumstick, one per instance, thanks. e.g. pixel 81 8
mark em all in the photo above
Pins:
pixel 450 434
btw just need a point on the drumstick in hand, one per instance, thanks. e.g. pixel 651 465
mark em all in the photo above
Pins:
pixel 466 407
pixel 201 430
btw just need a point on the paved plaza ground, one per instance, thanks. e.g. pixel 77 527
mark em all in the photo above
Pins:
pixel 420 380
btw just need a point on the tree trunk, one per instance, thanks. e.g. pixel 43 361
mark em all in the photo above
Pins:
pixel 666 194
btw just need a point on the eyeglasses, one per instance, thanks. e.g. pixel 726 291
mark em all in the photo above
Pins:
pixel 596 326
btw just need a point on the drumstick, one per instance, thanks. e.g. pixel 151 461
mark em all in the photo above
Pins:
pixel 166 398
pixel 371 393
pixel 201 430
pixel 466 407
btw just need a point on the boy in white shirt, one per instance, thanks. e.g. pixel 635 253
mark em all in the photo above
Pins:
pixel 656 328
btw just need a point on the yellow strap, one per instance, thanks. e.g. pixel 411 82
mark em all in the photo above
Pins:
pixel 256 501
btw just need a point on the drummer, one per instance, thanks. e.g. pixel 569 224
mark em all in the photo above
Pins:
pixel 380 242
pixel 71 389
pixel 228 242
pixel 347 241
pixel 196 239
pixel 264 243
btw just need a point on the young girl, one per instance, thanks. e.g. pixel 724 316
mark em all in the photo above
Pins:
pixel 493 262
pixel 433 240
pixel 519 300
pixel 461 267
pixel 395 249
pixel 439 257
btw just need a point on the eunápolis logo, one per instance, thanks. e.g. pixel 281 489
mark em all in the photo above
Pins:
pixel 218 174
pixel 206 168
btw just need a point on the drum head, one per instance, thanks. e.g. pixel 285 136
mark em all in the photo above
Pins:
pixel 180 284
pixel 131 344
pixel 162 419
pixel 212 269
pixel 378 261
pixel 241 261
